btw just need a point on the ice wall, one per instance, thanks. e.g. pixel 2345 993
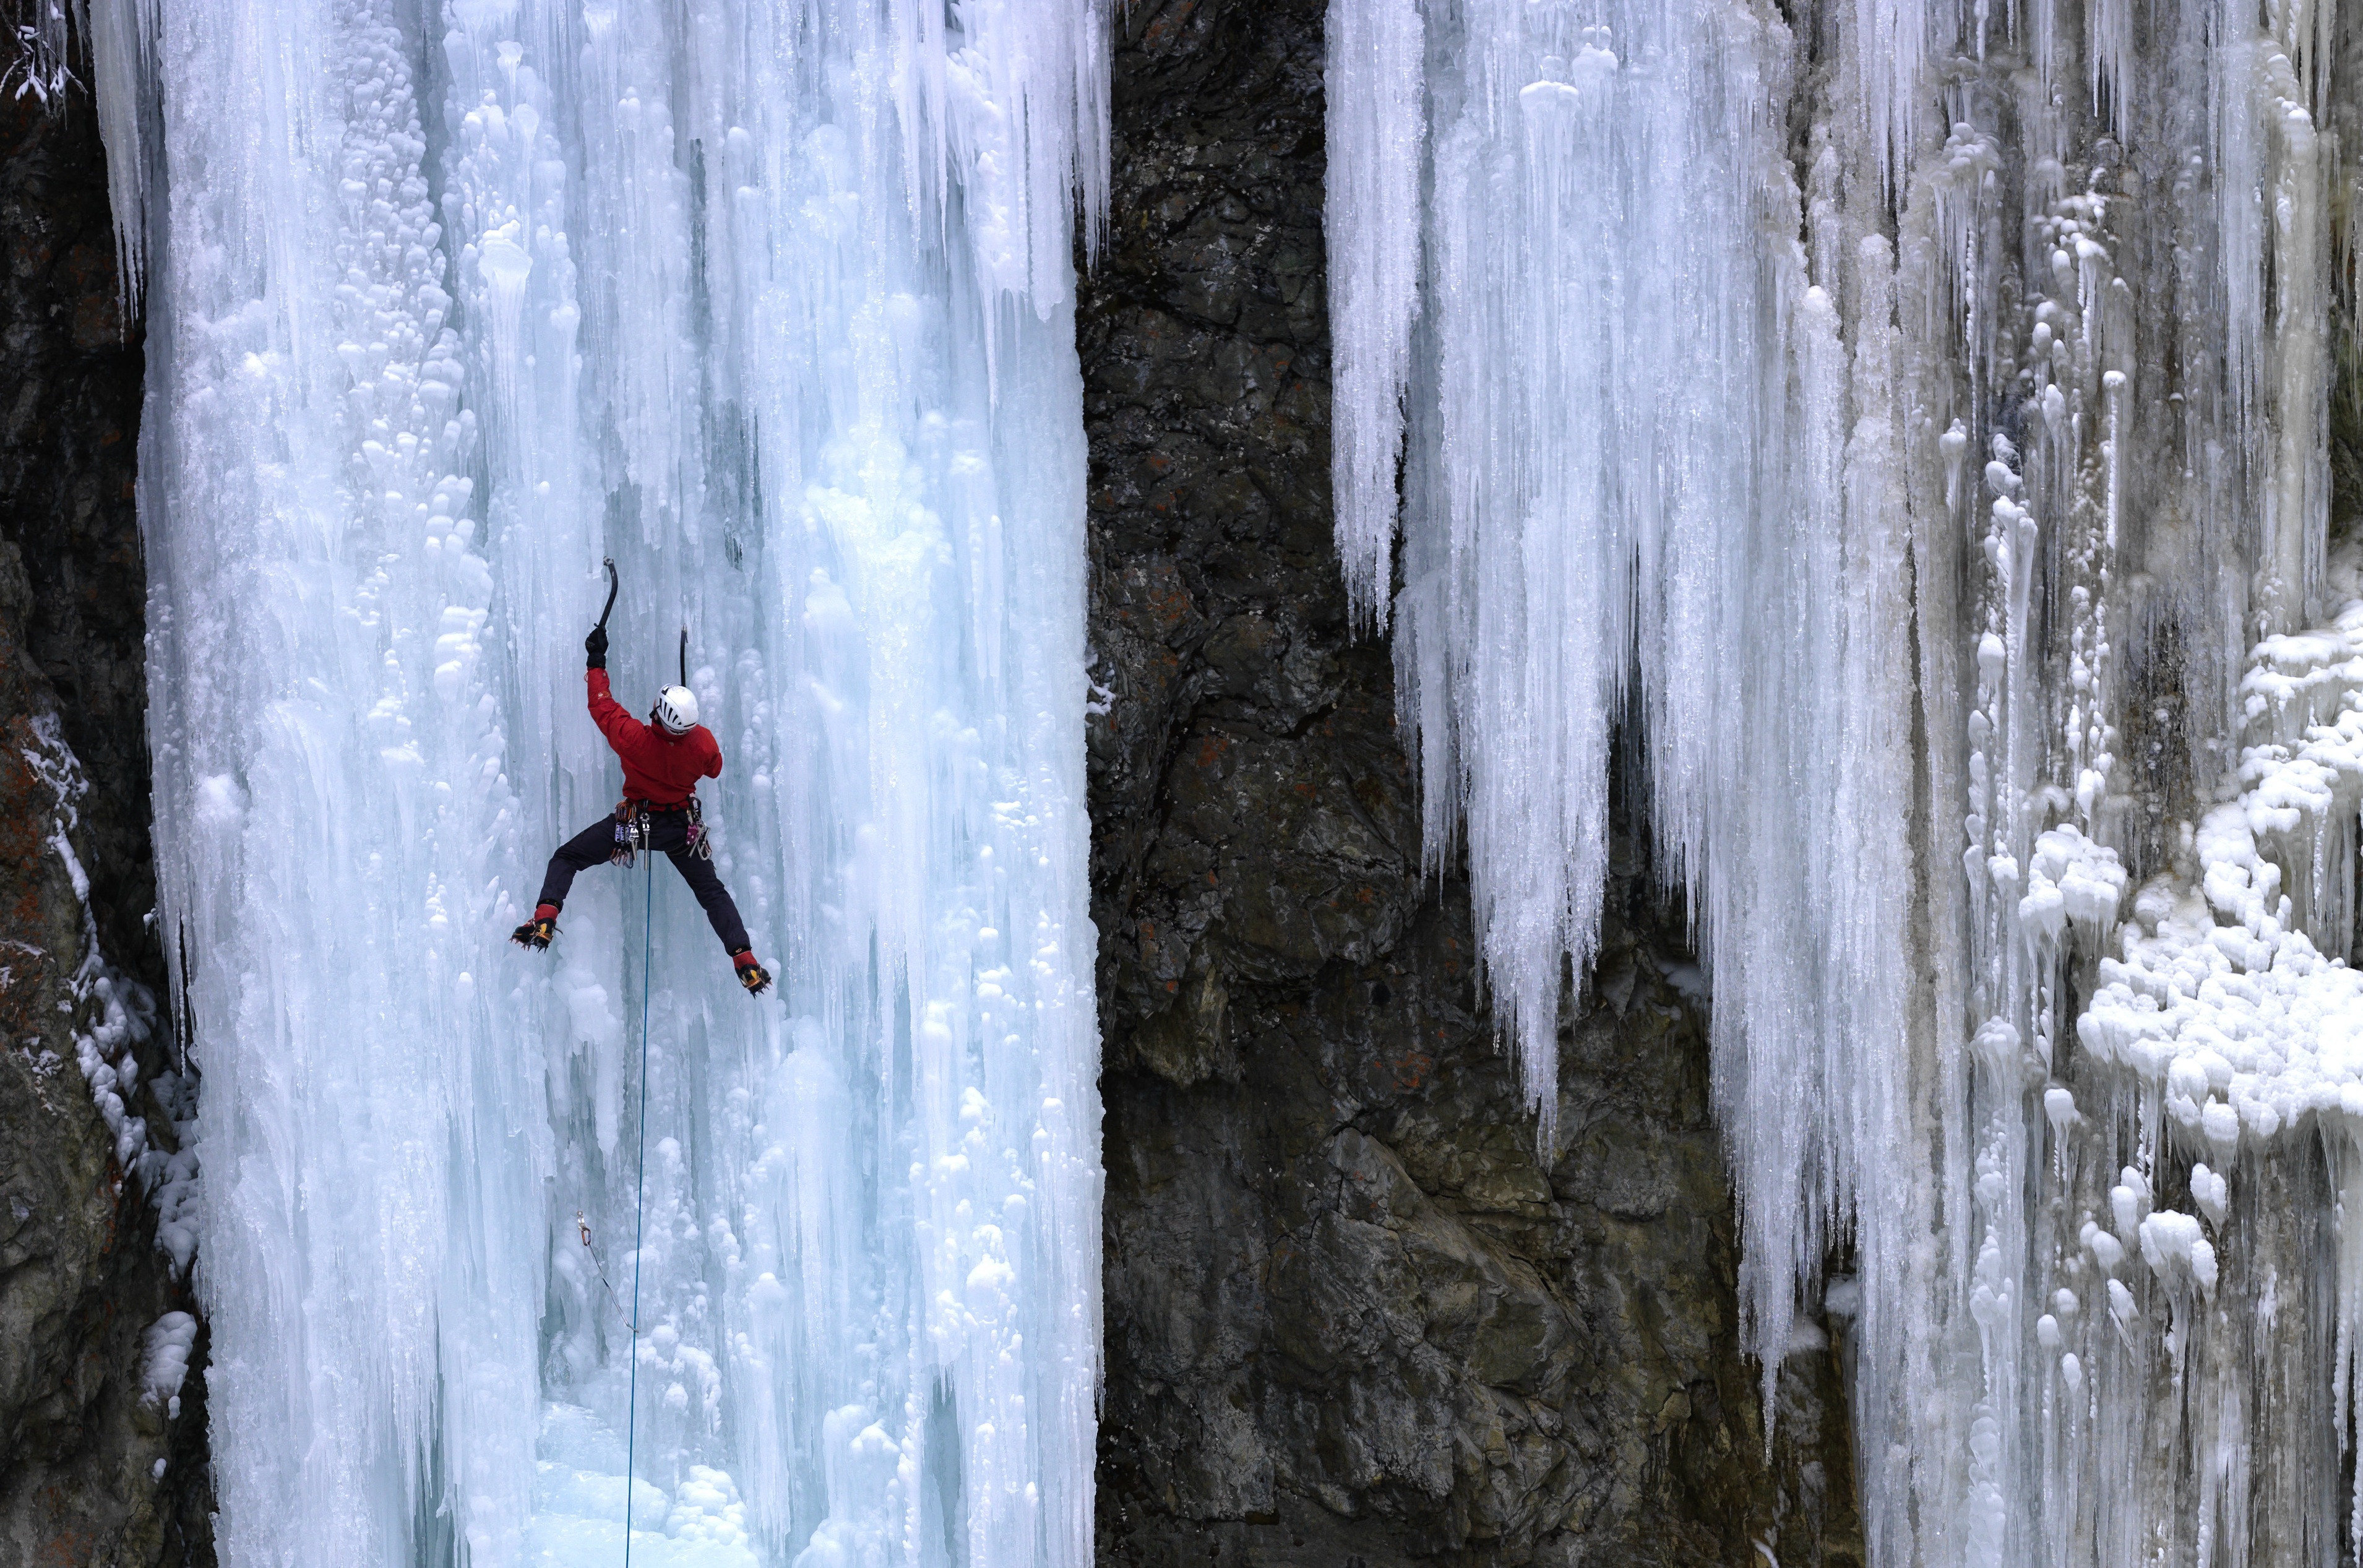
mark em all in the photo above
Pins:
pixel 771 301
pixel 1908 425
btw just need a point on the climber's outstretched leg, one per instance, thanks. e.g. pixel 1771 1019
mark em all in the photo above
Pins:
pixel 580 852
pixel 721 913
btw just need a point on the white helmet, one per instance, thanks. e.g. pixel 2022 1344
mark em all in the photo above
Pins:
pixel 677 709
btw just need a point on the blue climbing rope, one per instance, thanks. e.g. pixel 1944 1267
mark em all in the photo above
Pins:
pixel 639 1213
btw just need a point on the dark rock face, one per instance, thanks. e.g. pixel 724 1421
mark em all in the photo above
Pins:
pixel 1351 1318
pixel 93 1470
pixel 69 430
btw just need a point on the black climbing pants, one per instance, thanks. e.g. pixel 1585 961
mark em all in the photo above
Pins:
pixel 668 832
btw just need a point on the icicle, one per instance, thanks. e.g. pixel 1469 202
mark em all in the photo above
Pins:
pixel 122 35
pixel 1377 127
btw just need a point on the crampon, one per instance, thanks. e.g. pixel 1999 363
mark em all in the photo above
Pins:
pixel 536 933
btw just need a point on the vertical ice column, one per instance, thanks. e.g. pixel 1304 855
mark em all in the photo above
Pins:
pixel 508 204
pixel 771 301
pixel 2270 82
pixel 331 813
pixel 911 1335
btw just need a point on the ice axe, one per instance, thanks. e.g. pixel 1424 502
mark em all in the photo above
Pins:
pixel 613 587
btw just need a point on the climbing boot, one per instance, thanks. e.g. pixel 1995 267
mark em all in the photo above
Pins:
pixel 751 974
pixel 536 933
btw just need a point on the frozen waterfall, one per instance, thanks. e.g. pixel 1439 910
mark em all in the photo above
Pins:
pixel 772 300
pixel 1909 419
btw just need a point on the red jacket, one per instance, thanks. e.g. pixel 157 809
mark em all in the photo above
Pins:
pixel 658 768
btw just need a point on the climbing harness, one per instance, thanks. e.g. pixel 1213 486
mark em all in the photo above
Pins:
pixel 640 1211
pixel 635 823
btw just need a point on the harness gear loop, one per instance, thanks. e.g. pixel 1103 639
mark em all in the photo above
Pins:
pixel 636 825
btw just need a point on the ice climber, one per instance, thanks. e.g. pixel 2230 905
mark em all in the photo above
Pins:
pixel 663 760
